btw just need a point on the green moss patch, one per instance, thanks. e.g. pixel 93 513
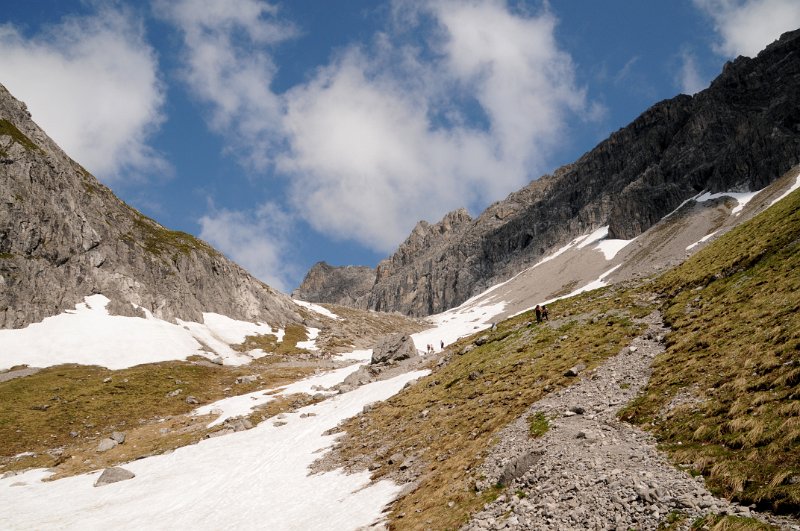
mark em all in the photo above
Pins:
pixel 9 129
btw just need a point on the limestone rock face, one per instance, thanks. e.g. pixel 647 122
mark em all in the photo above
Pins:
pixel 64 236
pixel 740 134
pixel 392 348
pixel 348 285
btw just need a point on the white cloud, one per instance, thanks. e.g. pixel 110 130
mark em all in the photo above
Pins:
pixel 393 131
pixel 92 84
pixel 690 79
pixel 228 65
pixel 379 140
pixel 258 241
pixel 748 26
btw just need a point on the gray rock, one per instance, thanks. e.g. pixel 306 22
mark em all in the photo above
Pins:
pixel 192 400
pixel 392 348
pixel 516 467
pixel 106 445
pixel 348 285
pixel 251 378
pixel 113 475
pixel 482 340
pixel 118 436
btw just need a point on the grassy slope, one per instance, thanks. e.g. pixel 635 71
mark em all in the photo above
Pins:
pixel 735 351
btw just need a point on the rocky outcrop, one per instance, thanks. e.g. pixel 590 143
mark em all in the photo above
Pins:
pixel 740 134
pixel 64 236
pixel 393 348
pixel 348 285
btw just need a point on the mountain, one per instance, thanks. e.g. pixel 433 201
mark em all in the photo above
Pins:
pixel 65 236
pixel 738 135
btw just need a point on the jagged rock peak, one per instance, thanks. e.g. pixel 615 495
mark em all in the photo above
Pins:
pixel 347 285
pixel 64 236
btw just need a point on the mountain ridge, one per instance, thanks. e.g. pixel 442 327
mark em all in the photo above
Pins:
pixel 741 133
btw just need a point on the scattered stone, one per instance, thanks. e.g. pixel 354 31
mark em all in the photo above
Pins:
pixel 73 434
pixel 466 349
pixel 279 423
pixel 118 436
pixel 251 378
pixel 113 475
pixel 107 380
pixel 575 371
pixel 216 360
pixel 482 340
pixel 106 445
pixel 192 400
pixel 173 394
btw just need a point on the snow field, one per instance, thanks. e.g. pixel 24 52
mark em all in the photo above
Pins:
pixel 88 335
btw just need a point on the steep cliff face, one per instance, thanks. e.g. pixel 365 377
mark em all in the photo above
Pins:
pixel 347 285
pixel 740 134
pixel 64 236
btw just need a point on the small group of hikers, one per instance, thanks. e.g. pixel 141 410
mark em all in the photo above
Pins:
pixel 431 349
pixel 541 313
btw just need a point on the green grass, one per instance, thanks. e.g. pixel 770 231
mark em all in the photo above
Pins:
pixel 538 424
pixel 269 343
pixel 729 523
pixel 9 129
pixel 734 309
pixel 158 240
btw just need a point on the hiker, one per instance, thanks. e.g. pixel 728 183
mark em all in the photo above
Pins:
pixel 544 313
pixel 441 341
pixel 494 327
pixel 538 311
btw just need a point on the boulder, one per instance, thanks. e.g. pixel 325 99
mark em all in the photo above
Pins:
pixel 392 348
pixel 113 475
pixel 106 445
pixel 118 436
pixel 516 467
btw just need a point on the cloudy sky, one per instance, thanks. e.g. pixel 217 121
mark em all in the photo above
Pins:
pixel 288 132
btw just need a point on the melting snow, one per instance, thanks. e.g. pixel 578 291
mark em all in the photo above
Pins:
pixel 317 308
pixel 701 240
pixel 741 197
pixel 255 479
pixel 90 336
pixel 791 189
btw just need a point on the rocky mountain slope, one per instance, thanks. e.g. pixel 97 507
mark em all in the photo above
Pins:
pixel 740 134
pixel 64 236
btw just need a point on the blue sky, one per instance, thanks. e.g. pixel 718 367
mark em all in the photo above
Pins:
pixel 285 133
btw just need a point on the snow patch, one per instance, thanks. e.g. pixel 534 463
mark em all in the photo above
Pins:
pixel 610 248
pixel 311 343
pixel 701 240
pixel 741 197
pixel 317 308
pixel 791 189
pixel 594 237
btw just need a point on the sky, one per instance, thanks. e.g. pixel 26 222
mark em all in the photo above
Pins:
pixel 289 132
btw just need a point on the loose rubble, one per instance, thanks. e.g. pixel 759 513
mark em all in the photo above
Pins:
pixel 590 470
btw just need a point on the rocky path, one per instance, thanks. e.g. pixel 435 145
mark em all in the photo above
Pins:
pixel 589 470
